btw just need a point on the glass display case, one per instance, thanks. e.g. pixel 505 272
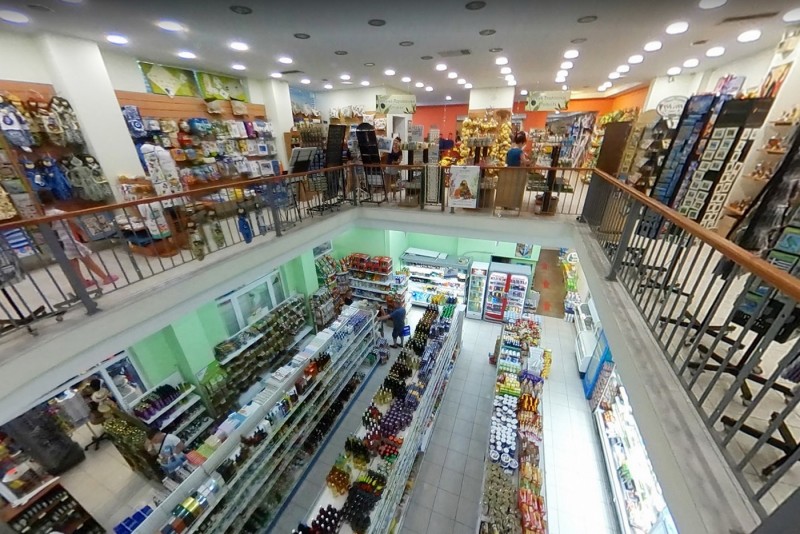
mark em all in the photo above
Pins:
pixel 477 289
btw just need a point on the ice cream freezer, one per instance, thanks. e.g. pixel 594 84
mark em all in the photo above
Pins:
pixel 506 290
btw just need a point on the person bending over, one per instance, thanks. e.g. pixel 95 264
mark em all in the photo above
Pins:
pixel 397 314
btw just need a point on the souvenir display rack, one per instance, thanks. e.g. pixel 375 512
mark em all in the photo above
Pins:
pixel 373 279
pixel 335 276
pixel 238 466
pixel 392 456
pixel 52 509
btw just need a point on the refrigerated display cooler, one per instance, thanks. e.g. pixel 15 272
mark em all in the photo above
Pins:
pixel 434 273
pixel 506 290
pixel 477 289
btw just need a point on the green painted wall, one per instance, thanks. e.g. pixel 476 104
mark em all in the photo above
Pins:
pixel 483 250
pixel 157 355
pixel 438 243
pixel 367 240
pixel 397 243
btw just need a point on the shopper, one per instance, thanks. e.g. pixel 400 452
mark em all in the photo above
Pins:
pixel 168 448
pixel 394 157
pixel 398 317
pixel 516 156
pixel 76 252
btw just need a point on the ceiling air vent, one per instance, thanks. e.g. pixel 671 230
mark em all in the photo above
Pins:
pixel 287 72
pixel 748 18
pixel 455 53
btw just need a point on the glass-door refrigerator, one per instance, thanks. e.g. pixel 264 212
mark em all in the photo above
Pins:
pixel 477 289
pixel 506 290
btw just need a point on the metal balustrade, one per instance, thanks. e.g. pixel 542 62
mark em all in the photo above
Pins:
pixel 727 323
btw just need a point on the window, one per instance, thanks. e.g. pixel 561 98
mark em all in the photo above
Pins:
pixel 242 307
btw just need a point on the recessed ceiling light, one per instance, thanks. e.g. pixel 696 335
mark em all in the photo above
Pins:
pixel 749 36
pixel 406 43
pixel 587 19
pixel 185 54
pixel 560 79
pixel 276 75
pixel 302 36
pixel 369 64
pixel 509 77
pixel 622 69
pixel 712 4
pixel 487 32
pixel 365 83
pixel 426 58
pixel 286 60
pixel 677 27
pixel 452 75
pixel 448 97
pixel 793 15
pixel 171 26
pixel 635 59
pixel 441 66
pixel 238 66
pixel 614 75
pixel 512 83
pixel 240 46
pixel 341 52
pixel 113 38
pixel 501 60
pixel 652 46
pixel 347 83
pixel 562 74
pixel 505 70
pixel 429 88
pixel 419 84
pixel 344 77
pixel 305 81
pixel 328 86
pixel 389 72
pixel 578 40
pixel 241 10
pixel 461 81
pixel 715 51
pixel 567 65
pixel 376 22
pixel 673 71
pixel 691 63
pixel 571 54
pixel 564 87
pixel 405 79
pixel 602 88
pixel 474 6
pixel 524 92
pixel 467 86
pixel 495 50
pixel 607 84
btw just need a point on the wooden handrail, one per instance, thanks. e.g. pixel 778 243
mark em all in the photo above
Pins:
pixel 781 280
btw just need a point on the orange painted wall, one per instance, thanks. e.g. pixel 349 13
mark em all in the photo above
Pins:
pixel 443 117
pixel 632 99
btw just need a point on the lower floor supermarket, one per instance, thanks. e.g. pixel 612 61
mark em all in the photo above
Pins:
pixel 285 405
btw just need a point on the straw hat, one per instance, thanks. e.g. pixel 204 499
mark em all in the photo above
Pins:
pixel 100 395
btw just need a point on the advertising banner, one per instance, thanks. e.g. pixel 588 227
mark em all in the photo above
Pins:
pixel 547 101
pixel 397 104
pixel 464 186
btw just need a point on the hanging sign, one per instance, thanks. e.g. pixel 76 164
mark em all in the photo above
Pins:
pixel 170 81
pixel 399 104
pixel 671 107
pixel 464 188
pixel 547 101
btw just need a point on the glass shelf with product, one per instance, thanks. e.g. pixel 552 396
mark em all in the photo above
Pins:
pixel 436 277
pixel 637 496
pixel 477 289
pixel 374 278
pixel 506 291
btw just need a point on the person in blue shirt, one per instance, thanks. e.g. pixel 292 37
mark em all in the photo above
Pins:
pixel 398 317
pixel 516 157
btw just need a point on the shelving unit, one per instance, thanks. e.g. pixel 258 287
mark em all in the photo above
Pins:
pixel 384 285
pixel 384 512
pixel 251 470
pixel 435 275
pixel 52 509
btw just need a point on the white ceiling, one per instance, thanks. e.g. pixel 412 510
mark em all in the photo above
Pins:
pixel 533 34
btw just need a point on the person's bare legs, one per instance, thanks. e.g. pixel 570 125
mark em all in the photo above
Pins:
pixel 90 264
pixel 76 266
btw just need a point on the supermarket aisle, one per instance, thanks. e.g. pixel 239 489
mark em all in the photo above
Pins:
pixel 447 494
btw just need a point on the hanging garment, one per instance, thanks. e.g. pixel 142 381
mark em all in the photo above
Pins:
pixel 55 178
pixel 7 209
pixel 30 122
pixel 34 175
pixel 68 119
pixel 134 121
pixel 14 127
pixel 216 229
pixel 198 244
pixel 88 182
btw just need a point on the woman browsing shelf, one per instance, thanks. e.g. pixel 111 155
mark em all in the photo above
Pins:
pixel 516 156
pixel 395 157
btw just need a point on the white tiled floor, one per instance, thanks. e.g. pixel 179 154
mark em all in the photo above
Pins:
pixel 447 495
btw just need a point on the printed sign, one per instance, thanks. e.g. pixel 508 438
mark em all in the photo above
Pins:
pixel 219 87
pixel 415 133
pixel 547 100
pixel 671 107
pixel 396 104
pixel 464 188
pixel 170 81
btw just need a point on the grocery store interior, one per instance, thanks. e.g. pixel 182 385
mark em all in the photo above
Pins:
pixel 472 267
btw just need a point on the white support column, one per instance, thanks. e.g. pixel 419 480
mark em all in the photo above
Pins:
pixel 79 75
pixel 274 94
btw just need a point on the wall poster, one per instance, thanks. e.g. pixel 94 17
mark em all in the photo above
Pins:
pixel 464 186
pixel 170 81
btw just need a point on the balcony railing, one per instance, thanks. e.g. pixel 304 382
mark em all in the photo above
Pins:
pixel 726 321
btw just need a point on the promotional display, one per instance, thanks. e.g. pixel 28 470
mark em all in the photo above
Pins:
pixel 464 187
pixel 506 290
pixel 373 279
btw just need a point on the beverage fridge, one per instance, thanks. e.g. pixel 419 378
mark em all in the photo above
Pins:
pixel 506 290
pixel 477 289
